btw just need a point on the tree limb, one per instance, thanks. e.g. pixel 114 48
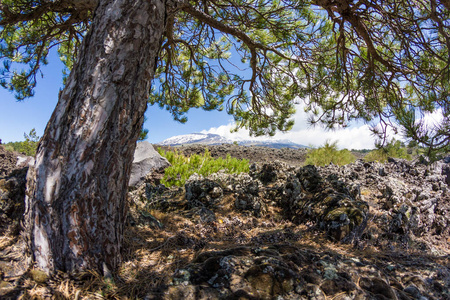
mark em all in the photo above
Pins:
pixel 224 28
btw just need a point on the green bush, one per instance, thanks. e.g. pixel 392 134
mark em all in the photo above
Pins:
pixel 9 147
pixel 27 147
pixel 327 154
pixel 183 167
pixel 394 149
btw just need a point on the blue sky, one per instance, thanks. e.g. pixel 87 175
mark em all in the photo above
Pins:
pixel 17 118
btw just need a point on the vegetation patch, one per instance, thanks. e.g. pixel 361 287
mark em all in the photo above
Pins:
pixel 394 149
pixel 327 154
pixel 184 166
pixel 27 147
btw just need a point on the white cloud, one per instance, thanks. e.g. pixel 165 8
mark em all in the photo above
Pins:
pixel 432 120
pixel 353 137
pixel 350 138
pixel 356 136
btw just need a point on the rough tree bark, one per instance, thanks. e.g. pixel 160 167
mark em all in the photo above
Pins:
pixel 76 192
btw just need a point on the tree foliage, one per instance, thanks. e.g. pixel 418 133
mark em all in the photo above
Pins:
pixel 27 147
pixel 29 30
pixel 385 62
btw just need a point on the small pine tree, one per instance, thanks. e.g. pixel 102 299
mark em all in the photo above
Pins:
pixel 329 153
pixel 394 149
pixel 27 147
pixel 183 167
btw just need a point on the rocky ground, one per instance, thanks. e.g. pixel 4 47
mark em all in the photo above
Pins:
pixel 293 157
pixel 362 231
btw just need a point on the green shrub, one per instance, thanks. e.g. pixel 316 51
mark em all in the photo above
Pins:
pixel 183 167
pixel 327 154
pixel 27 147
pixel 393 149
pixel 9 147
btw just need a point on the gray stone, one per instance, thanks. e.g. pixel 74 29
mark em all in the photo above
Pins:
pixel 25 161
pixel 413 291
pixel 202 191
pixel 146 159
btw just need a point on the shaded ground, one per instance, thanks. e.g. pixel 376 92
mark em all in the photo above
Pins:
pixel 363 231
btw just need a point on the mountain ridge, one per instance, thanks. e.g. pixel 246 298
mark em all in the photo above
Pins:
pixel 216 139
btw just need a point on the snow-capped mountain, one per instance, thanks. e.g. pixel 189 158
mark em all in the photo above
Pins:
pixel 215 139
pixel 195 138
pixel 272 144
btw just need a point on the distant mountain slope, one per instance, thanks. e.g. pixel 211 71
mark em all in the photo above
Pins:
pixel 215 139
pixel 195 138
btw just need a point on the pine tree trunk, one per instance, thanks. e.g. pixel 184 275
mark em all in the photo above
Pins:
pixel 76 193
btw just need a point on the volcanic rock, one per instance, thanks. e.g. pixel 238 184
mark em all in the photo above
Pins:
pixel 146 160
pixel 362 231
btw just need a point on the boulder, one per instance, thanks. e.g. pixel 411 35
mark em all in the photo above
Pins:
pixel 202 191
pixel 7 161
pixel 25 161
pixel 146 159
pixel 247 196
pixel 12 189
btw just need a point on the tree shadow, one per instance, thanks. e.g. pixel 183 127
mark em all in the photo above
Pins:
pixel 185 266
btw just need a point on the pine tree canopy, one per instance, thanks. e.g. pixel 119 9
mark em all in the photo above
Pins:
pixel 386 62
